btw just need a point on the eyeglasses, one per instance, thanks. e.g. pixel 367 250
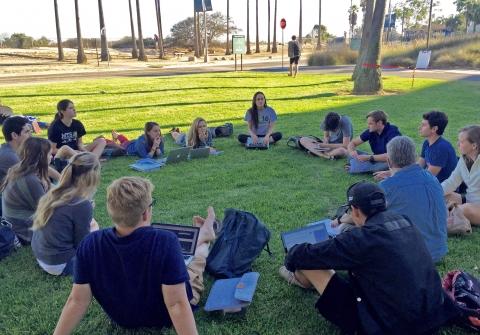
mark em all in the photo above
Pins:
pixel 154 202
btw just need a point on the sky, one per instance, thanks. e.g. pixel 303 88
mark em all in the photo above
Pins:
pixel 36 17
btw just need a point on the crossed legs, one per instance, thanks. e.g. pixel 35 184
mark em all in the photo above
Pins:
pixel 470 210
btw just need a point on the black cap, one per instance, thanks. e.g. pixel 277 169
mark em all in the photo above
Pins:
pixel 367 196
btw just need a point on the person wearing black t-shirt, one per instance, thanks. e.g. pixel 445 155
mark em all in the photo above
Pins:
pixel 66 133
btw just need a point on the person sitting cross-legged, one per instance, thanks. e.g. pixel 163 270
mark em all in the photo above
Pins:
pixel 468 172
pixel 137 272
pixel 378 134
pixel 392 287
pixel 414 192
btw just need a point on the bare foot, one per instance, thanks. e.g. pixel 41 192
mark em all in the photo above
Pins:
pixel 207 233
pixel 198 221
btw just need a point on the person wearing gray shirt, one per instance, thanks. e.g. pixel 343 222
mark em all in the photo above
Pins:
pixel 261 121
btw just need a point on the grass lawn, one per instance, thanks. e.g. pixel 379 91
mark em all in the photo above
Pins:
pixel 284 187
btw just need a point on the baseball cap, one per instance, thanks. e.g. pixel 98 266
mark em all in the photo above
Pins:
pixel 366 196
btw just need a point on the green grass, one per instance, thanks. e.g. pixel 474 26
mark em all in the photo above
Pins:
pixel 284 187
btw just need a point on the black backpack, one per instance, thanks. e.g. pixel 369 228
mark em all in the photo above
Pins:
pixel 240 241
pixel 7 239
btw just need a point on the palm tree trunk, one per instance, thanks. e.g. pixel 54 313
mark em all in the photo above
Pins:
pixel 269 24
pixel 248 28
pixel 257 40
pixel 195 38
pixel 300 23
pixel 103 34
pixel 366 30
pixel 227 49
pixel 81 58
pixel 161 52
pixel 274 46
pixel 132 28
pixel 369 79
pixel 59 35
pixel 141 55
pixel 319 38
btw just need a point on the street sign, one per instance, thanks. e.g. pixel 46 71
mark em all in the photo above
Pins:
pixel 202 5
pixel 238 44
pixel 283 23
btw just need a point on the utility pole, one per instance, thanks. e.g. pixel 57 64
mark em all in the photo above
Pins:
pixel 206 40
pixel 389 19
pixel 429 24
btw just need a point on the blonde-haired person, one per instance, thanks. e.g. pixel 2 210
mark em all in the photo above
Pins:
pixel 198 136
pixel 468 172
pixel 136 272
pixel 26 182
pixel 65 215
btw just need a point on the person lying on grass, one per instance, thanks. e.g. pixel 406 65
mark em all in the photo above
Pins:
pixel 468 172
pixel 378 134
pixel 65 133
pixel 198 135
pixel 148 145
pixel 392 287
pixel 65 215
pixel 137 272
pixel 261 122
pixel 337 134
pixel 26 182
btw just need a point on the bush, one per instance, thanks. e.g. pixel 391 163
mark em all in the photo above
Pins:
pixel 338 56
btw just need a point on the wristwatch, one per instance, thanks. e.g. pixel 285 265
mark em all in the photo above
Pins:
pixel 372 159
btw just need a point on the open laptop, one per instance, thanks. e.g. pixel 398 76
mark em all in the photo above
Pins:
pixel 259 145
pixel 187 236
pixel 176 156
pixel 309 234
pixel 200 153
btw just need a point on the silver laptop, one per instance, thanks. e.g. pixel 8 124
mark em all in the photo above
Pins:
pixel 187 236
pixel 199 153
pixel 175 156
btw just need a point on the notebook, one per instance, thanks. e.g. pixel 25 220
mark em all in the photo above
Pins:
pixel 187 236
pixel 310 234
pixel 146 164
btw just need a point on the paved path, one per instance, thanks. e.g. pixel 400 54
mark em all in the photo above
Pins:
pixel 272 66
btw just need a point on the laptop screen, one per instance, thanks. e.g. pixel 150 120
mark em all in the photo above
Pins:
pixel 187 235
pixel 310 234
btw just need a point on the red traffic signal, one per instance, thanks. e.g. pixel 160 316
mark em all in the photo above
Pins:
pixel 283 23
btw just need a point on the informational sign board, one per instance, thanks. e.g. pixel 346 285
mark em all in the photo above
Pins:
pixel 423 59
pixel 390 21
pixel 238 45
pixel 202 5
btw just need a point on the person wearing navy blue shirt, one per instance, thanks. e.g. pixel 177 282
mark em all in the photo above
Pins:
pixel 392 286
pixel 137 272
pixel 378 134
pixel 438 155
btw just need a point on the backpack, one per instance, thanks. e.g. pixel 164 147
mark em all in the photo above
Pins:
pixel 225 130
pixel 296 50
pixel 240 241
pixel 464 289
pixel 8 239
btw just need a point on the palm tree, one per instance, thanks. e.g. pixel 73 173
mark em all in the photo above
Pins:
pixel 81 58
pixel 227 49
pixel 366 30
pixel 141 56
pixel 248 28
pixel 300 23
pixel 319 40
pixel 103 34
pixel 257 41
pixel 132 28
pixel 268 43
pixel 369 78
pixel 274 46
pixel 59 36
pixel 161 53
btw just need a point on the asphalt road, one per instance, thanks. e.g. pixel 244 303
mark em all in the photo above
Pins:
pixel 273 66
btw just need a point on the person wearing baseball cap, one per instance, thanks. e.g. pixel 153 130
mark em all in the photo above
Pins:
pixel 392 285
